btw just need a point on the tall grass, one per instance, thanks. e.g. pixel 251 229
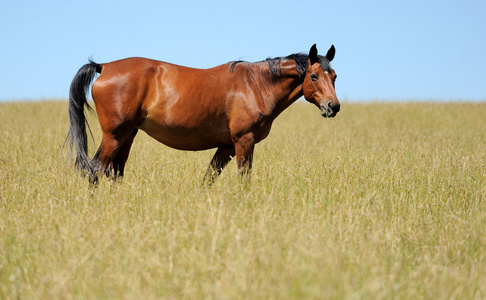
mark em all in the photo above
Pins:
pixel 384 201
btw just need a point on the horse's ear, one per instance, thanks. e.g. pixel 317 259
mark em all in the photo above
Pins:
pixel 313 54
pixel 330 53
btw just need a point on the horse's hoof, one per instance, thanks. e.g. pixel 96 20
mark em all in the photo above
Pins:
pixel 93 180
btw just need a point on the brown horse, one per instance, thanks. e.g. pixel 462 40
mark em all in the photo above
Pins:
pixel 230 107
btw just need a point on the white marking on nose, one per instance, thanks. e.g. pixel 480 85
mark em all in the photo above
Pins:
pixel 326 72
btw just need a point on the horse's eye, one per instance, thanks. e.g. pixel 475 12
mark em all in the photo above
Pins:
pixel 314 77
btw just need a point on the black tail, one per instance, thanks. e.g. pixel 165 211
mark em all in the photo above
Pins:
pixel 77 136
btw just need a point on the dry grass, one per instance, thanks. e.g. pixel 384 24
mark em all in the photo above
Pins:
pixel 385 201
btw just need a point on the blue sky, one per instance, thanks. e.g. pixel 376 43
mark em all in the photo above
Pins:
pixel 385 50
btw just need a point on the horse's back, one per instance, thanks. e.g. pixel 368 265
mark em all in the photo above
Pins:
pixel 156 82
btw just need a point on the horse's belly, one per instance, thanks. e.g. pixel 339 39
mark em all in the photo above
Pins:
pixel 195 137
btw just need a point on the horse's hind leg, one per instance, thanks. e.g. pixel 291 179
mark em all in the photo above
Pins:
pixel 220 159
pixel 121 158
pixel 111 144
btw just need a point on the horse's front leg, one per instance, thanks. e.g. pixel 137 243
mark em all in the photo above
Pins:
pixel 244 155
pixel 220 159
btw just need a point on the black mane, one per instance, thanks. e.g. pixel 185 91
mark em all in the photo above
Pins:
pixel 301 63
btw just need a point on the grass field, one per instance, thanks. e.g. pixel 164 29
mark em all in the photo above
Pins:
pixel 387 200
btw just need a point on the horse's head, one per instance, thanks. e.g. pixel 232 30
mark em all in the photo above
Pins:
pixel 319 81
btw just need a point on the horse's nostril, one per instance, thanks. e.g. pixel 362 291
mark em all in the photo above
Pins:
pixel 330 108
pixel 336 108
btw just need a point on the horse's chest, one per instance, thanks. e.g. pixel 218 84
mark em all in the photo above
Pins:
pixel 262 131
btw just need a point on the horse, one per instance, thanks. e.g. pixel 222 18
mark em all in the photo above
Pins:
pixel 230 107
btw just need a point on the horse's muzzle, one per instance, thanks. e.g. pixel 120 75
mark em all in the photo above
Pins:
pixel 331 110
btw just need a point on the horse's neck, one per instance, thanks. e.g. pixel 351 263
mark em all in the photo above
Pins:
pixel 286 89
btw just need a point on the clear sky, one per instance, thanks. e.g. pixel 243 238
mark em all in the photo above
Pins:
pixel 385 50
